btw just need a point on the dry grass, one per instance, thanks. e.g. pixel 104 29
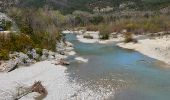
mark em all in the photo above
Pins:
pixel 138 25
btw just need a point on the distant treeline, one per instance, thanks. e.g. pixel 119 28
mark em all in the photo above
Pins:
pixel 69 6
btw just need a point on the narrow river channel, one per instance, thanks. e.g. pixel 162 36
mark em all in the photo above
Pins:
pixel 131 75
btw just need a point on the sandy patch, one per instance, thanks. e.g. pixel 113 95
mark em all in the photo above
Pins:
pixel 54 78
pixel 81 59
pixel 97 40
pixel 158 48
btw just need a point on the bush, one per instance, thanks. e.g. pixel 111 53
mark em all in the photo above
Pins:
pixel 97 19
pixel 92 28
pixel 104 36
pixel 14 42
pixel 105 31
pixel 4 54
pixel 131 26
pixel 26 29
pixel 30 56
pixel 39 51
pixel 129 38
pixel 22 42
pixel 88 37
pixel 6 25
pixel 42 27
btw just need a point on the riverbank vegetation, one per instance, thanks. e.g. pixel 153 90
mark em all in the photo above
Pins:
pixel 41 27
pixel 38 28
pixel 14 42
pixel 136 25
pixel 141 25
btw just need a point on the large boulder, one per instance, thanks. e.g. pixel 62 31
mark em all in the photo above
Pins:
pixel 33 54
pixel 60 46
pixel 43 57
pixel 23 59
pixel 45 54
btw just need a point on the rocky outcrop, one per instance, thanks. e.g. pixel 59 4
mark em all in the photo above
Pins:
pixel 9 65
pixel 18 59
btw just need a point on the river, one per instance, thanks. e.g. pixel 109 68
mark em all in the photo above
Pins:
pixel 131 75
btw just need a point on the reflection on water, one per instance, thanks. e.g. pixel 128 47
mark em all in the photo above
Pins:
pixel 130 74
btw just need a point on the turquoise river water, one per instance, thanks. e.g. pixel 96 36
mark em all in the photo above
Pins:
pixel 130 74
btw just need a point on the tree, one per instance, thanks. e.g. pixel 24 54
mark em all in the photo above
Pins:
pixel 97 19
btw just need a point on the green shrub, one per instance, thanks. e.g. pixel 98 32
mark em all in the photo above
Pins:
pixel 6 25
pixel 131 26
pixel 97 19
pixel 24 60
pixel 105 31
pixel 4 54
pixel 88 37
pixel 30 56
pixel 26 29
pixel 39 51
pixel 14 42
pixel 22 42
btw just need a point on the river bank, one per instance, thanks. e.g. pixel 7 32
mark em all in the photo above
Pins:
pixel 157 47
pixel 48 71
pixel 58 83
pixel 54 78
pixel 97 40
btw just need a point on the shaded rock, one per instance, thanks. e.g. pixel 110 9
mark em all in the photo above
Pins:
pixel 62 52
pixel 32 54
pixel 2 66
pixel 51 55
pixel 61 62
pixel 69 44
pixel 9 65
pixel 43 57
pixel 45 52
pixel 24 59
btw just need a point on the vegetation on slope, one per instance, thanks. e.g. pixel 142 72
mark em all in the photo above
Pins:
pixel 40 25
pixel 69 6
pixel 39 28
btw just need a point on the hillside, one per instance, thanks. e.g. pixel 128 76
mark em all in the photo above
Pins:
pixel 69 6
